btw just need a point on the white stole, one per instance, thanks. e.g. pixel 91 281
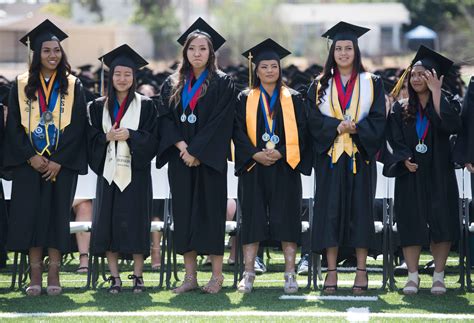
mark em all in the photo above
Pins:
pixel 118 161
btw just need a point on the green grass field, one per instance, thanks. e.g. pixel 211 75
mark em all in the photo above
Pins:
pixel 264 303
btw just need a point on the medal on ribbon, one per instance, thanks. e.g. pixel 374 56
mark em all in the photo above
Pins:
pixel 269 137
pixel 190 96
pixel 422 125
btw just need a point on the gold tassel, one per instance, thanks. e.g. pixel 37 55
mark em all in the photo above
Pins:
pixel 398 87
pixel 101 90
pixel 250 70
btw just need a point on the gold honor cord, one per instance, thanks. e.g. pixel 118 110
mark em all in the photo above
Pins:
pixel 47 89
pixel 250 69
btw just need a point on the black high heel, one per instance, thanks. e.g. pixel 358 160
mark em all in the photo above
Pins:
pixel 329 289
pixel 114 287
pixel 136 281
pixel 356 289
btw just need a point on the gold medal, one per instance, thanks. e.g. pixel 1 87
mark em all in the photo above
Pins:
pixel 270 145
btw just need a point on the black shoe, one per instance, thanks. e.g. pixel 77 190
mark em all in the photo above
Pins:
pixel 303 265
pixel 429 268
pixel 259 266
pixel 358 289
pixel 138 285
pixel 329 289
pixel 401 270
pixel 115 285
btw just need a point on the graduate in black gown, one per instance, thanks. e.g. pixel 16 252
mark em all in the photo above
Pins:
pixel 270 140
pixel 4 92
pixel 426 192
pixel 464 150
pixel 45 150
pixel 196 114
pixel 122 142
pixel 346 118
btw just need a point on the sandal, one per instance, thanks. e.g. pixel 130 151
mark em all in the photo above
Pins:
pixel 246 284
pixel 330 289
pixel 358 289
pixel 35 290
pixel 155 261
pixel 412 285
pixel 214 285
pixel 189 283
pixel 54 290
pixel 138 284
pixel 438 287
pixel 83 269
pixel 291 285
pixel 115 285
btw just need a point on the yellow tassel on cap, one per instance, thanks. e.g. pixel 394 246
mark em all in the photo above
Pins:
pixel 250 70
pixel 398 87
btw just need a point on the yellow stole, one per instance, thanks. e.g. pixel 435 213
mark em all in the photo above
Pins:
pixel 30 120
pixel 343 142
pixel 289 123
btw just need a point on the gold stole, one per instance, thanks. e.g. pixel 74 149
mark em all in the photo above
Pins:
pixel 30 120
pixel 289 123
pixel 343 142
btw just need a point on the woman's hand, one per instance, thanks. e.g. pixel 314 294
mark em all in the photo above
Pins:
pixel 39 163
pixel 110 136
pixel 470 167
pixel 432 81
pixel 346 126
pixel 189 159
pixel 122 134
pixel 51 171
pixel 412 167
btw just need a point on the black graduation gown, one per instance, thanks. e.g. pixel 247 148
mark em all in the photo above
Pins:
pixel 270 196
pixel 199 193
pixel 39 210
pixel 344 202
pixel 3 210
pixel 464 149
pixel 122 219
pixel 428 197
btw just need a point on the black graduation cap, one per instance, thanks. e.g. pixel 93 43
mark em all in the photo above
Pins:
pixel 430 59
pixel 200 26
pixel 345 31
pixel 267 49
pixel 45 31
pixel 85 67
pixel 124 56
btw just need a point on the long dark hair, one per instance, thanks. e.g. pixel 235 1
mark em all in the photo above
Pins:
pixel 257 81
pixel 331 65
pixel 185 67
pixel 62 72
pixel 409 112
pixel 112 95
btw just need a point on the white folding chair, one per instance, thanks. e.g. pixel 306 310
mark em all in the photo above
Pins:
pixel 233 227
pixel 161 191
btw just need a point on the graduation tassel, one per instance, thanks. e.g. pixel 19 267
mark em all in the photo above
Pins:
pixel 28 44
pixel 398 87
pixel 101 89
pixel 250 70
pixel 327 43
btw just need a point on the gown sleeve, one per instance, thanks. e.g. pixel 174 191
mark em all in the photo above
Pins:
pixel 244 149
pixel 17 146
pixel 394 163
pixel 449 120
pixel 322 128
pixel 464 148
pixel 71 151
pixel 143 142
pixel 370 131
pixel 167 131
pixel 96 138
